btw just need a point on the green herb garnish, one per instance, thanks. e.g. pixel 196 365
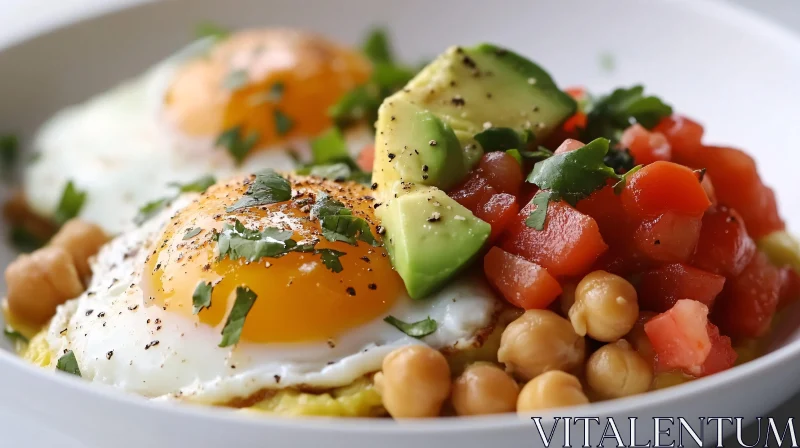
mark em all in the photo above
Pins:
pixel 201 298
pixel 151 209
pixel 245 298
pixel 276 92
pixel 210 29
pixel 237 241
pixel 238 146
pixel 70 205
pixel 418 329
pixel 501 139
pixel 515 154
pixel 359 104
pixel 537 217
pixel 330 258
pixel 268 187
pixel 14 335
pixel 192 232
pixel 23 240
pixel 339 224
pixel 283 124
pixel 68 363
pixel 376 46
pixel 199 185
pixel 9 150
pixel 330 147
pixel 236 79
pixel 610 115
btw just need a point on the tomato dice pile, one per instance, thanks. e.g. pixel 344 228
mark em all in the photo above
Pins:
pixel 681 229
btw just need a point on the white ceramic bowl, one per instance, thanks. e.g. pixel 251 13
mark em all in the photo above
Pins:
pixel 735 73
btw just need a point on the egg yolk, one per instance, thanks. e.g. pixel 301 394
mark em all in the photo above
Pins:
pixel 298 298
pixel 275 84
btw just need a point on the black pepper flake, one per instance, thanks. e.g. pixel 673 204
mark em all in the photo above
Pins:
pixel 424 177
pixel 158 321
pixel 133 307
pixel 488 95
pixel 89 312
pixel 391 156
pixel 365 258
pixel 151 344
pixel 380 230
pixel 657 242
pixel 376 205
pixel 469 62
pixel 425 168
pixel 277 378
pixel 393 118
pixel 63 332
pixel 351 291
pixel 374 186
pixel 109 354
pixel 432 143
pixel 372 286
pixel 458 101
pixel 101 314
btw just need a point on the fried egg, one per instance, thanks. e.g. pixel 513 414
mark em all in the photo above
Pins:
pixel 310 327
pixel 271 88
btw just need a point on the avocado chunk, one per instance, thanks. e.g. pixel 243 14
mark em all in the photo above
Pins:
pixel 782 249
pixel 430 237
pixel 418 148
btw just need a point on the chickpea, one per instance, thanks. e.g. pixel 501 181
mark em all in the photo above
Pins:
pixel 638 338
pixel 616 370
pixel 538 341
pixel 81 240
pixel 39 282
pixel 414 383
pixel 553 389
pixel 484 388
pixel 605 308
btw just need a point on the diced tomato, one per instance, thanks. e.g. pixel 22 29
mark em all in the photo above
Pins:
pixel 721 357
pixel 790 287
pixel 747 304
pixel 474 191
pixel 569 145
pixel 724 247
pixel 645 146
pixel 576 92
pixel 605 207
pixel 679 336
pixel 708 187
pixel 622 260
pixel 524 284
pixel 575 123
pixel 683 134
pixel 502 171
pixel 527 192
pixel 568 245
pixel 366 158
pixel 499 211
pixel 737 185
pixel 670 238
pixel 664 187
pixel 659 289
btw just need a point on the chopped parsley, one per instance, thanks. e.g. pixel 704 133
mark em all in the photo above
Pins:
pixel 502 139
pixel 210 29
pixel 359 104
pixel 192 232
pixel 331 159
pixel 70 205
pixel 199 185
pixel 237 241
pixel 236 79
pixel 339 224
pixel 376 46
pixel 608 116
pixel 68 363
pixel 570 177
pixel 14 335
pixel 283 124
pixel 276 92
pixel 540 154
pixel 245 298
pixel 9 150
pixel 418 329
pixel 330 258
pixel 151 209
pixel 201 298
pixel 23 240
pixel 268 187
pixel 238 146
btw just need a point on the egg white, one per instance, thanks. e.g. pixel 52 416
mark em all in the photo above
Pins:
pixel 119 148
pixel 110 326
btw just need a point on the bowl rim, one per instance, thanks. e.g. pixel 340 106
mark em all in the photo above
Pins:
pixel 736 15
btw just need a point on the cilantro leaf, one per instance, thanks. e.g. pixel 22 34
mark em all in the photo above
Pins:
pixel 70 204
pixel 537 217
pixel 283 124
pixel 9 150
pixel 610 115
pixel 377 47
pixel 391 76
pixel 418 329
pixel 151 209
pixel 198 185
pixel 68 363
pixel 236 79
pixel 330 147
pixel 330 258
pixel 500 139
pixel 192 232
pixel 238 146
pixel 337 172
pixel 201 298
pixel 540 154
pixel 623 180
pixel 210 29
pixel 515 154
pixel 14 335
pixel 237 241
pixel 268 187
pixel 276 92
pixel 361 103
pixel 339 224
pixel 245 298
pixel 574 175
